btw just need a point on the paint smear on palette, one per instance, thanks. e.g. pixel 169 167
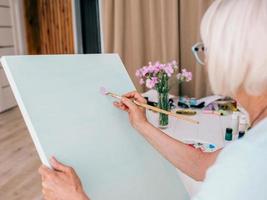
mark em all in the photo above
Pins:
pixel 204 147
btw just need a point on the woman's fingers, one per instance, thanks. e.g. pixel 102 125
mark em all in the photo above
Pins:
pixel 49 177
pixel 45 171
pixel 132 94
pixel 48 194
pixel 126 102
pixel 136 113
pixel 58 166
pixel 61 183
pixel 129 103
pixel 136 96
pixel 120 106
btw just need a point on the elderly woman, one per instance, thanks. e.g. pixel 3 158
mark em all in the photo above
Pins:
pixel 234 33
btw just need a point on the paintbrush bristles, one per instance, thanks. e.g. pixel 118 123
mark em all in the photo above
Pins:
pixel 103 91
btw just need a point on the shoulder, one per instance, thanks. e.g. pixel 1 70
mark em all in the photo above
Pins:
pixel 238 173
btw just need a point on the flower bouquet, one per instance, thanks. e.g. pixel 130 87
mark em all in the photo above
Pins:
pixel 156 76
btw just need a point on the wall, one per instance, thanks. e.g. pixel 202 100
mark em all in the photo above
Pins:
pixel 7 47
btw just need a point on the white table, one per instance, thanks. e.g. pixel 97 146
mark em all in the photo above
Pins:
pixel 211 130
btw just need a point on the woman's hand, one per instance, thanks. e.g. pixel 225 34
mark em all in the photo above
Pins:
pixel 137 114
pixel 62 183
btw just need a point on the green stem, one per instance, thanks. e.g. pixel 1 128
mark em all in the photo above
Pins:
pixel 163 102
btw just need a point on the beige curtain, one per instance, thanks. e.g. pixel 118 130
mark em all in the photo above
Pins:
pixel 141 31
pixel 150 30
pixel 191 12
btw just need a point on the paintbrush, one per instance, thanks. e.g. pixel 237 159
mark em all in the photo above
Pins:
pixel 104 91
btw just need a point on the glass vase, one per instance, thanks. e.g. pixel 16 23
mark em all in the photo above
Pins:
pixel 163 101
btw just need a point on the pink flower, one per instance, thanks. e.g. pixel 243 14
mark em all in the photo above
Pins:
pixel 138 73
pixel 150 83
pixel 151 68
pixel 155 80
pixel 156 69
pixel 161 66
pixel 149 74
pixel 157 63
pixel 184 76
pixel 184 71
pixel 189 76
pixel 174 65
pixel 169 70
pixel 144 70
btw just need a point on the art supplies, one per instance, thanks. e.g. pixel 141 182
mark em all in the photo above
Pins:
pixel 155 104
pixel 235 123
pixel 151 103
pixel 241 134
pixel 203 146
pixel 186 112
pixel 186 102
pixel 193 101
pixel 227 103
pixel 171 104
pixel 228 135
pixel 219 112
pixel 209 99
pixel 243 125
pixel 222 105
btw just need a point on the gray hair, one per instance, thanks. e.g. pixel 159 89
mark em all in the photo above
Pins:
pixel 235 35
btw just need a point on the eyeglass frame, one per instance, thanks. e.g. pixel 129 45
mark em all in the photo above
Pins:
pixel 199 46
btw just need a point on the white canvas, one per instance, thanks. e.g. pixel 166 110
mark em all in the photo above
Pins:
pixel 67 117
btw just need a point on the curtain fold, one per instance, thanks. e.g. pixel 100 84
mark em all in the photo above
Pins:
pixel 141 31
pixel 191 12
pixel 156 30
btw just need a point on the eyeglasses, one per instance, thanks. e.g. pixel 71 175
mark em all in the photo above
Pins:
pixel 198 51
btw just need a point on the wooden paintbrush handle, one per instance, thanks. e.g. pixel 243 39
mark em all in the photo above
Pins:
pixel 156 109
